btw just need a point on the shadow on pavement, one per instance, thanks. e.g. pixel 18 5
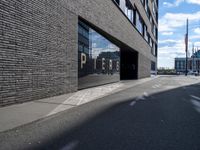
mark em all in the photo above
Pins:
pixel 167 120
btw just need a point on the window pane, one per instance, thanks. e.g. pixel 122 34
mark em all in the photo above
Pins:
pixel 98 59
pixel 139 24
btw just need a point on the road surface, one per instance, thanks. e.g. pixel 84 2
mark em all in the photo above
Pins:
pixel 161 114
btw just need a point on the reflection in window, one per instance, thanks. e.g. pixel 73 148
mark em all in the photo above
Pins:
pixel 80 47
pixel 145 33
pixel 117 1
pixel 129 11
pixel 139 23
pixel 153 49
pixel 98 57
pixel 151 42
pixel 134 16
pixel 154 9
pixel 146 5
pixel 156 50
pixel 153 66
pixel 154 30
pixel 127 8
pixel 143 2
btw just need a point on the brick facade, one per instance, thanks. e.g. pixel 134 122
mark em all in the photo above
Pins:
pixel 38 44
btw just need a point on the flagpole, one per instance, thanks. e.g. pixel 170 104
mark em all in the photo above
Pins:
pixel 186 49
pixel 193 58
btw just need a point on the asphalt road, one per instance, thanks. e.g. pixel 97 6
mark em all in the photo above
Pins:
pixel 162 114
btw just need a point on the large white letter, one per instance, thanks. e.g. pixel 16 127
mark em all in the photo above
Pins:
pixel 103 64
pixel 110 64
pixel 83 59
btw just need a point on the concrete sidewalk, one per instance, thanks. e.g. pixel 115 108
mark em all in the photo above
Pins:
pixel 21 114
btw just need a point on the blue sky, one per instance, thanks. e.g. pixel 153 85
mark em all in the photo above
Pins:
pixel 172 29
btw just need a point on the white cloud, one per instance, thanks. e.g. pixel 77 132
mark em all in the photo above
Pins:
pixel 171 21
pixel 193 2
pixel 197 44
pixel 167 33
pixel 177 47
pixel 176 3
pixel 193 37
pixel 167 4
pixel 167 41
pixel 197 30
pixel 167 54
pixel 169 25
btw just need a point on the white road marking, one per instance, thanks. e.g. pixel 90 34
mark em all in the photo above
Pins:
pixel 156 86
pixel 91 94
pixel 140 98
pixel 184 88
pixel 85 96
pixel 70 146
pixel 145 94
pixel 196 105
pixel 132 103
pixel 195 97
pixel 143 97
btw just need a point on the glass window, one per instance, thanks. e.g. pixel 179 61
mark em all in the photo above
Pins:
pixel 156 50
pixel 151 42
pixel 148 38
pixel 148 13
pixel 80 30
pixel 146 5
pixel 98 59
pixel 123 5
pixel 156 16
pixel 154 30
pixel 153 66
pixel 145 33
pixel 130 15
pixel 129 11
pixel 86 50
pixel 154 9
pixel 152 48
pixel 117 1
pixel 80 47
pixel 143 2
pixel 127 8
pixel 156 33
pixel 83 31
pixel 151 19
pixel 152 27
pixel 139 23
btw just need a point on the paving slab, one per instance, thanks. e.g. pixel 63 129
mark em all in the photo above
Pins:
pixel 20 114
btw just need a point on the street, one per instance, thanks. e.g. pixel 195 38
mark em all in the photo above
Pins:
pixel 161 114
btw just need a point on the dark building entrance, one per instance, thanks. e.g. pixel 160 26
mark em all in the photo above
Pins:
pixel 129 64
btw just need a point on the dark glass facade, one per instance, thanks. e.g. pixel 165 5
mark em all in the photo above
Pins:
pixel 98 58
pixel 153 66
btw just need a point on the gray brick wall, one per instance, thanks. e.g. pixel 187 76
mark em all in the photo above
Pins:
pixel 38 44
pixel 105 15
pixel 144 66
pixel 38 50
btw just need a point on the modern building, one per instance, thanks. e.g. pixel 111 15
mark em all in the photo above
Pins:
pixel 49 48
pixel 193 63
